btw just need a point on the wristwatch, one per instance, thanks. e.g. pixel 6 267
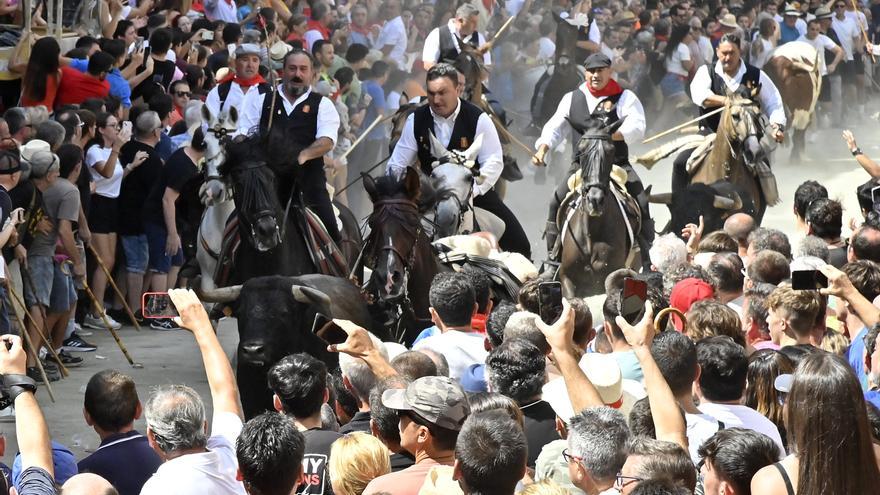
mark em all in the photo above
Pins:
pixel 856 151
pixel 12 386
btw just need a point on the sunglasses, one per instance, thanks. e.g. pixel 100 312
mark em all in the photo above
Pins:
pixel 118 125
pixel 183 94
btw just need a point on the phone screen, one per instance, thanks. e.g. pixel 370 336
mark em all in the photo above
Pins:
pixel 808 280
pixel 157 305
pixel 875 198
pixel 328 331
pixel 550 301
pixel 632 300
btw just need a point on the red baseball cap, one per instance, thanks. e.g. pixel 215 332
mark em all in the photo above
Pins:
pixel 685 293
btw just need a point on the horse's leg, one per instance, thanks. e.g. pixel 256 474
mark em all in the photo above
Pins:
pixel 798 141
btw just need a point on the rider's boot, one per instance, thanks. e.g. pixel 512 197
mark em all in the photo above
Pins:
pixel 551 235
pixel 645 235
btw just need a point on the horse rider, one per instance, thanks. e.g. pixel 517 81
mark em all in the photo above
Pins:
pixel 294 116
pixel 231 90
pixel 456 123
pixel 600 98
pixel 442 43
pixel 709 90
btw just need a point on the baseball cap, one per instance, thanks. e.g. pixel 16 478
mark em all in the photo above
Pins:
pixel 438 399
pixel 247 49
pixel 597 61
pixel 687 292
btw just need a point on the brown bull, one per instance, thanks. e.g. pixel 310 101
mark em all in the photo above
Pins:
pixel 794 69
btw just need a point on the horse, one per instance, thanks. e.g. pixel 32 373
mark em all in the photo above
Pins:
pixel 736 148
pixel 563 76
pixel 794 69
pixel 215 194
pixel 596 237
pixel 399 253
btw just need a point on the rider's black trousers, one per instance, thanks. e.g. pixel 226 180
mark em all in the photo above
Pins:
pixel 514 238
pixel 312 182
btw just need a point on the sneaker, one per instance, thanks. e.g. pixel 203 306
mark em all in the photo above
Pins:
pixel 34 373
pixel 97 322
pixel 122 316
pixel 75 343
pixel 79 330
pixel 163 324
pixel 67 360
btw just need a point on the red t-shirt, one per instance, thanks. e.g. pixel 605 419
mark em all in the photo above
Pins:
pixel 76 87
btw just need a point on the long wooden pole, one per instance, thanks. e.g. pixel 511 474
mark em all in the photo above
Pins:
pixel 862 29
pixel 510 136
pixel 360 139
pixel 682 126
pixel 115 287
pixel 17 299
pixel 489 44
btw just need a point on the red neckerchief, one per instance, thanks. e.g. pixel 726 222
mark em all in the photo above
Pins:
pixel 478 322
pixel 317 26
pixel 610 89
pixel 244 83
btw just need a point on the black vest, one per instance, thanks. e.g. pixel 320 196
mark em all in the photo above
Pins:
pixel 463 132
pixel 829 55
pixel 605 113
pixel 448 49
pixel 583 34
pixel 751 79
pixel 299 127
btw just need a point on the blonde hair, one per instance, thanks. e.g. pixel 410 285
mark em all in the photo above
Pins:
pixel 800 306
pixel 835 342
pixel 355 460
pixel 544 487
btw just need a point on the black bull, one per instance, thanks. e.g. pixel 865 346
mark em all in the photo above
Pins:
pixel 714 202
pixel 276 315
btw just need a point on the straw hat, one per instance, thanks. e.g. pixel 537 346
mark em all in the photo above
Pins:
pixel 729 20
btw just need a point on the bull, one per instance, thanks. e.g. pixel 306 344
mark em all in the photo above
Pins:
pixel 714 202
pixel 276 315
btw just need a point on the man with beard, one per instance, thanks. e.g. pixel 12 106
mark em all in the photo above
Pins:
pixel 303 120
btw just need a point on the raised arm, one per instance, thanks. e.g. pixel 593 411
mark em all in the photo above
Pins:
pixel 221 380
pixel 581 391
pixel 359 344
pixel 840 286
pixel 668 421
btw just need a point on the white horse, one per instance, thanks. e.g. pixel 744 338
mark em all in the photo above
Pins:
pixel 454 172
pixel 215 193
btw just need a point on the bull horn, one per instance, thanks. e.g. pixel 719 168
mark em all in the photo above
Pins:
pixel 310 296
pixel 725 203
pixel 662 198
pixel 219 295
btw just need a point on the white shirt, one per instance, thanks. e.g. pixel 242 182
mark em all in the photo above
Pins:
pixel 706 49
pixel 220 10
pixel 557 128
pixel 431 50
pixel 771 101
pixel 699 428
pixel 252 108
pixel 107 187
pixel 461 350
pixel 491 162
pixel 673 63
pixel 211 472
pixel 546 48
pixel 820 43
pixel 310 37
pixel 744 417
pixel 394 33
pixel 766 51
pixel 800 24
pixel 847 31
pixel 233 98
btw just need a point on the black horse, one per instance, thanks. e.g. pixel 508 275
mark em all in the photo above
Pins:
pixel 399 253
pixel 272 237
pixel 563 76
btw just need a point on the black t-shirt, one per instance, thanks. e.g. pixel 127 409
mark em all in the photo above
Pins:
pixel 163 73
pixel 182 175
pixel 539 421
pixel 136 186
pixel 359 422
pixel 26 196
pixel 401 461
pixel 316 479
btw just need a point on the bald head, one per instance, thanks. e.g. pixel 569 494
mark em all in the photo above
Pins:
pixel 87 484
pixel 739 226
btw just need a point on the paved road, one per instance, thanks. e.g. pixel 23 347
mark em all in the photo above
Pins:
pixel 172 357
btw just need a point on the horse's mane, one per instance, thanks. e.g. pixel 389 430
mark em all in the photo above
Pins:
pixel 257 187
pixel 432 193
pixel 389 188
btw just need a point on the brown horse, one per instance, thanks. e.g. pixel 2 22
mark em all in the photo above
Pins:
pixel 595 236
pixel 794 69
pixel 400 255
pixel 736 148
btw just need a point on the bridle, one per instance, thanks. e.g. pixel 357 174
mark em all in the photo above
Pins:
pixel 463 206
pixel 222 134
pixel 586 186
pixel 253 219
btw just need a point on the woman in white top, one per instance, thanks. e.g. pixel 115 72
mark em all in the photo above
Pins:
pixel 102 160
pixel 765 43
pixel 679 64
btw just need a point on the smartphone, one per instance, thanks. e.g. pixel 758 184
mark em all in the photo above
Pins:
pixel 632 300
pixel 324 327
pixel 139 44
pixel 157 305
pixel 875 198
pixel 550 301
pixel 126 126
pixel 208 36
pixel 808 280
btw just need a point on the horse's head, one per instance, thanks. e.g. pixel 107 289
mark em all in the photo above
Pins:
pixel 395 227
pixel 453 171
pixel 743 124
pixel 256 195
pixel 595 156
pixel 218 130
pixel 470 63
